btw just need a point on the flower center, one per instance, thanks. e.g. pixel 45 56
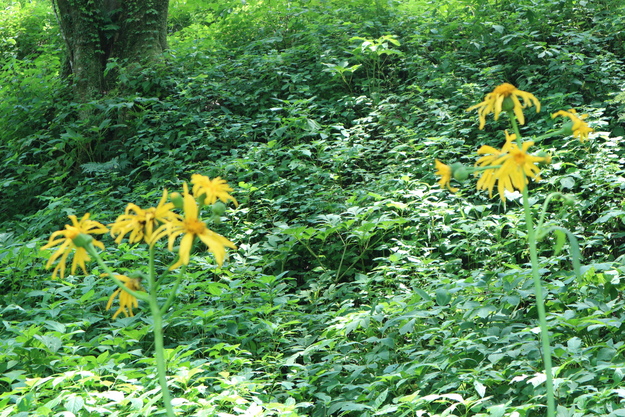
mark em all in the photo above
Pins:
pixel 72 232
pixel 194 226
pixel 505 89
pixel 519 157
pixel 150 216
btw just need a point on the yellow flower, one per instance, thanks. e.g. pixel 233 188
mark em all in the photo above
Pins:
pixel 445 172
pixel 64 239
pixel 126 301
pixel 211 189
pixel 511 167
pixel 142 223
pixel 579 128
pixel 487 177
pixel 191 226
pixel 494 103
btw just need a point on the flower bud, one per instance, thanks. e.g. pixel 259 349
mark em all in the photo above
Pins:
pixel 200 199
pixel 82 240
pixel 177 199
pixel 219 208
pixel 508 104
pixel 568 200
pixel 459 171
pixel 567 128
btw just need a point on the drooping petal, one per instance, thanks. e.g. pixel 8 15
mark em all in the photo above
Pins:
pixel 216 245
pixel 493 103
pixel 64 239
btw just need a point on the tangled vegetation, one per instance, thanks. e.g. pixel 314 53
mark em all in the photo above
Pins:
pixel 359 285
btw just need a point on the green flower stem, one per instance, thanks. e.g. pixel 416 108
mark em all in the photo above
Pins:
pixel 137 294
pixel 515 127
pixel 174 290
pixel 540 305
pixel 159 353
pixel 484 168
pixel 152 269
pixel 560 132
pixel 541 220
pixel 159 348
pixel 150 298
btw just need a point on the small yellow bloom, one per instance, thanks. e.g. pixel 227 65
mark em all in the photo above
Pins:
pixel 494 102
pixel 141 223
pixel 579 127
pixel 511 168
pixel 211 189
pixel 445 172
pixel 126 301
pixel 191 226
pixel 64 239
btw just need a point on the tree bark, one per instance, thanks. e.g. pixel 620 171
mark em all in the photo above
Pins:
pixel 96 31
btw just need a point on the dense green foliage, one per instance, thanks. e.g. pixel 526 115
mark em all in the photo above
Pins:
pixel 359 288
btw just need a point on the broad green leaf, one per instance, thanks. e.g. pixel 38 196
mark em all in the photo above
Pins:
pixel 423 294
pixel 479 388
pixel 74 404
pixel 443 297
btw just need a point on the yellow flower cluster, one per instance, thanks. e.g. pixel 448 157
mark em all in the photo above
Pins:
pixel 141 223
pixel 511 166
pixel 191 226
pixel 148 226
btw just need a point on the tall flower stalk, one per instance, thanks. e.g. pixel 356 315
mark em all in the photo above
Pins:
pixel 510 168
pixel 148 226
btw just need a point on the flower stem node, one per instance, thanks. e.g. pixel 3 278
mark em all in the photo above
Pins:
pixel 82 240
pixel 459 171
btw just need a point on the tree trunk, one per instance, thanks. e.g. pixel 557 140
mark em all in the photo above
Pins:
pixel 95 31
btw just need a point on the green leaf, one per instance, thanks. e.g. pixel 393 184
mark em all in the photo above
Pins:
pixel 560 240
pixel 496 410
pixel 74 404
pixel 567 182
pixel 610 214
pixel 380 398
pixel 443 297
pixel 407 328
pixel 87 296
pixel 479 388
pixel 422 294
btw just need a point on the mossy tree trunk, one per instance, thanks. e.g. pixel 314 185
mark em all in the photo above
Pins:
pixel 95 31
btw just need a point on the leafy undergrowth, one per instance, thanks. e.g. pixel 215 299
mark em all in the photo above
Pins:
pixel 359 288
